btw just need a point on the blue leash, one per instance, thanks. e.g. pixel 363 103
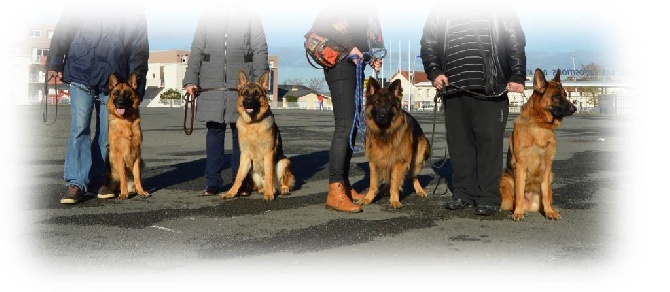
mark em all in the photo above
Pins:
pixel 359 114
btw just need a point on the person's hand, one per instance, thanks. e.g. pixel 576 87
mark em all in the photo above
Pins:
pixel 515 87
pixel 440 80
pixel 56 74
pixel 376 64
pixel 192 90
pixel 356 52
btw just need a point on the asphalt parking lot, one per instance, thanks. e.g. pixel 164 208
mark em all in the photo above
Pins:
pixel 177 238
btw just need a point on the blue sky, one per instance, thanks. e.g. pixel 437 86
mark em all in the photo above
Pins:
pixel 553 33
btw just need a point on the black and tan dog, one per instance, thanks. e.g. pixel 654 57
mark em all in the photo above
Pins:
pixel 261 151
pixel 526 182
pixel 394 142
pixel 125 137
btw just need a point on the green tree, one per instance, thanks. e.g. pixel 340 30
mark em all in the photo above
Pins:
pixel 170 96
pixel 592 72
pixel 317 84
pixel 290 98
pixel 592 93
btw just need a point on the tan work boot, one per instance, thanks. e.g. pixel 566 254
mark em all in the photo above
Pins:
pixel 339 201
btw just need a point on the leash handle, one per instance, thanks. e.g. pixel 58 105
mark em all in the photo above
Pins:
pixel 359 113
pixel 45 100
pixel 189 99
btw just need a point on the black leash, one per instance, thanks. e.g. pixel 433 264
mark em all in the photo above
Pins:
pixel 438 94
pixel 45 100
pixel 189 101
pixel 481 96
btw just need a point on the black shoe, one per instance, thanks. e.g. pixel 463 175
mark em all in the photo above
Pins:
pixel 210 191
pixel 73 195
pixel 486 210
pixel 456 204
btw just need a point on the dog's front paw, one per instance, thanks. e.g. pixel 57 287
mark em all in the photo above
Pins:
pixel 228 195
pixel 285 191
pixel 396 204
pixel 364 201
pixel 518 217
pixel 418 189
pixel 123 196
pixel 269 197
pixel 553 215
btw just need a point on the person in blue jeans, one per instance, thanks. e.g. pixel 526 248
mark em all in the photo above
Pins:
pixel 225 41
pixel 87 46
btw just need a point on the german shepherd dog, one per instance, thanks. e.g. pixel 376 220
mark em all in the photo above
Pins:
pixel 394 142
pixel 526 182
pixel 261 151
pixel 125 137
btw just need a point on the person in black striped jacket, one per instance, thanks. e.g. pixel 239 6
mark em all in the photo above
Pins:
pixel 477 52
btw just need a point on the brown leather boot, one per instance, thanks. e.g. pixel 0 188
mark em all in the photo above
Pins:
pixel 355 196
pixel 339 201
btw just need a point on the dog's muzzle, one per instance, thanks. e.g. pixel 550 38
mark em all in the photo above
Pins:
pixel 565 110
pixel 382 117
pixel 121 103
pixel 251 104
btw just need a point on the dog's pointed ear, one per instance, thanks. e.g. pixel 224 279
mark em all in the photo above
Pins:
pixel 132 81
pixel 371 87
pixel 264 80
pixel 396 88
pixel 557 77
pixel 241 78
pixel 539 81
pixel 112 81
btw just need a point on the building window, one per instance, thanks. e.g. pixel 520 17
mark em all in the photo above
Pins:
pixel 37 52
pixel 35 33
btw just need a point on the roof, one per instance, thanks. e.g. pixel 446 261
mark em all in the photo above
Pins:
pixel 419 76
pixel 149 94
pixel 294 90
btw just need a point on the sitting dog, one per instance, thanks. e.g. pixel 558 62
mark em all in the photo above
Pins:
pixel 394 142
pixel 125 137
pixel 261 151
pixel 526 182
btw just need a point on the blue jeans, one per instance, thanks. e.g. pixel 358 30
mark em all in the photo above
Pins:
pixel 216 133
pixel 86 159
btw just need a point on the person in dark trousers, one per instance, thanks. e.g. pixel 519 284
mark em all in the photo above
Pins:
pixel 88 45
pixel 225 41
pixel 356 32
pixel 479 54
